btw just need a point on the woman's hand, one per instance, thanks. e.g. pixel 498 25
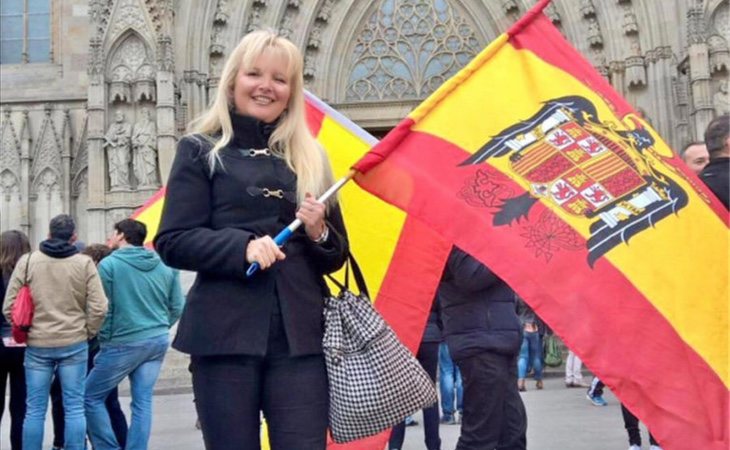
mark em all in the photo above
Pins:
pixel 311 213
pixel 264 251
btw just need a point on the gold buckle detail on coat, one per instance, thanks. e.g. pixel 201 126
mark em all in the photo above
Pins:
pixel 278 193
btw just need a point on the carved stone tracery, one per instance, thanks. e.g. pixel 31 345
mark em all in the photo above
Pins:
pixel 408 49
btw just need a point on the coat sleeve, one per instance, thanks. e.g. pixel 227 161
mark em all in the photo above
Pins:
pixel 330 255
pixel 14 284
pixel 185 239
pixel 96 301
pixel 176 300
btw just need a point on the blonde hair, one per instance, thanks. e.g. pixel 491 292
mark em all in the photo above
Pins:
pixel 291 140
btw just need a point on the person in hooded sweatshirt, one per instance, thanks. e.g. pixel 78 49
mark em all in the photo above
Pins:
pixel 69 307
pixel 145 300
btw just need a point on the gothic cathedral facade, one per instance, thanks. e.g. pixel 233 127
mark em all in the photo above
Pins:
pixel 95 93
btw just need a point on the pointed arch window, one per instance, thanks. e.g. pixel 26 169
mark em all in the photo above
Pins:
pixel 25 31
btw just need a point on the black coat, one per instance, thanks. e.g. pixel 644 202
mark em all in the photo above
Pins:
pixel 477 309
pixel 716 176
pixel 206 225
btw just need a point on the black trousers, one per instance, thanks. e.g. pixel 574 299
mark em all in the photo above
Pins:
pixel 116 415
pixel 231 391
pixel 428 356
pixel 494 415
pixel 631 423
pixel 11 367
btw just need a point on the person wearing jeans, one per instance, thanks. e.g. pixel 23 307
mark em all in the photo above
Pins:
pixel 450 383
pixel 145 300
pixel 69 307
pixel 141 361
pixel 531 348
pixel 70 363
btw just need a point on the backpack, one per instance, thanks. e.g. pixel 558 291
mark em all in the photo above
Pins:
pixel 553 355
pixel 21 315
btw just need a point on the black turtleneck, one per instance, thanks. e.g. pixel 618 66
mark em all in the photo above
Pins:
pixel 249 132
pixel 58 248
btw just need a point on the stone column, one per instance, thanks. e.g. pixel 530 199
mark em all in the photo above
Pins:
pixel 165 107
pixel 25 146
pixel 95 144
pixel 66 162
pixel 700 82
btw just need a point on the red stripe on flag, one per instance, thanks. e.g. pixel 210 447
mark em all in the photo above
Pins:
pixel 315 117
pixel 618 325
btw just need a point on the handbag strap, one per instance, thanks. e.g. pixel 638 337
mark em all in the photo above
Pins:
pixel 27 262
pixel 357 274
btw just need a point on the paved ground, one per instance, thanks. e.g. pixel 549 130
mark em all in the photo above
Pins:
pixel 558 419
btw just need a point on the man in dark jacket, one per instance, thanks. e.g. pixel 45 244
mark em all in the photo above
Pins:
pixel 483 334
pixel 716 174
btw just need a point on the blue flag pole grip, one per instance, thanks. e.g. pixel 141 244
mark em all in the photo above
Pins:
pixel 286 233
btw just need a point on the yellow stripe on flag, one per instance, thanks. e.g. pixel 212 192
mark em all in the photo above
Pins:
pixel 684 280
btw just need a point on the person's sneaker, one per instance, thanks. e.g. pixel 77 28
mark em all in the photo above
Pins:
pixel 448 420
pixel 654 447
pixel 411 422
pixel 579 384
pixel 635 447
pixel 597 400
pixel 457 418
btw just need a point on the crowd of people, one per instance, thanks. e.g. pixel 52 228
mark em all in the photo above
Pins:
pixel 248 168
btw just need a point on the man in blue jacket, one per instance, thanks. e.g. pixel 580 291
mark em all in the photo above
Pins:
pixel 483 333
pixel 145 300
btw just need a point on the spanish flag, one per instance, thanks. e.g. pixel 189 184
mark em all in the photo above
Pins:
pixel 400 257
pixel 531 162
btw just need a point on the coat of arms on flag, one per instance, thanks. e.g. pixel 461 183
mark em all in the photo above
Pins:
pixel 585 168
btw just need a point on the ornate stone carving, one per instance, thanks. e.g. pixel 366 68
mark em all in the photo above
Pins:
pixel 217 47
pixel 80 154
pixel 117 143
pixel 630 25
pixel 9 146
pixel 286 27
pixel 47 152
pixel 9 185
pixel 315 37
pixel 696 26
pixel 587 9
pixel 131 63
pixel 144 145
pixel 721 99
pixel 46 183
pixel 165 54
pixel 310 58
pixel 325 11
pixel 595 38
pixel 96 58
pixel 552 13
pixel 719 53
pixel 510 6
pixel 221 12
pixel 431 43
pixel 255 20
pixel 294 3
pixel 635 69
pixel 128 15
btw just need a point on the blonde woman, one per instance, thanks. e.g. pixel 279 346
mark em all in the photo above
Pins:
pixel 247 169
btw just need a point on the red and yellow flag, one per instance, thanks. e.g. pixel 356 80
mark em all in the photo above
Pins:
pixel 401 258
pixel 531 162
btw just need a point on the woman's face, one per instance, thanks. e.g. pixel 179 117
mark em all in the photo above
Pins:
pixel 263 91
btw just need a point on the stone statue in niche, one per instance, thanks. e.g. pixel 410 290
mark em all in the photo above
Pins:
pixel 118 147
pixel 144 144
pixel 721 99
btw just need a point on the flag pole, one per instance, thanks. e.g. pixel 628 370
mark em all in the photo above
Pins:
pixel 284 234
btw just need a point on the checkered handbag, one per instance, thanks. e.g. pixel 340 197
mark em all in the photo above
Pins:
pixel 374 381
